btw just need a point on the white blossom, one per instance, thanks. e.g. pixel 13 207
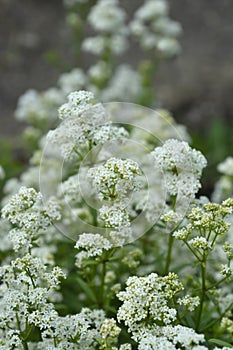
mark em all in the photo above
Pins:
pixel 114 216
pixel 85 125
pixel 78 103
pixel 72 81
pixel 109 329
pixel 107 16
pixel 119 88
pixel 148 296
pixel 190 302
pixel 115 178
pixel 199 243
pixel 155 30
pixel 226 167
pixel 182 167
pixel 90 245
pixel 98 44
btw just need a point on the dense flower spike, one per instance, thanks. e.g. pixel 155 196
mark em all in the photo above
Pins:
pixel 182 167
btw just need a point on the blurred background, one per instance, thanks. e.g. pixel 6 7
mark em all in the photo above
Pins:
pixel 36 45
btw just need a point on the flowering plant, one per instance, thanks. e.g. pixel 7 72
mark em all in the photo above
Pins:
pixel 106 243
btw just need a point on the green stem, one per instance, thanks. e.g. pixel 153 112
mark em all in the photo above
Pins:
pixel 171 239
pixel 203 292
pixel 24 343
pixel 215 237
pixel 147 70
pixel 221 315
pixel 217 283
pixel 102 283
pixel 30 276
pixel 169 253
pixel 193 252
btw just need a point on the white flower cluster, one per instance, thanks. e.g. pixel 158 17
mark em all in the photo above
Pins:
pixel 29 178
pixel 90 245
pixel 79 331
pixel 119 89
pixel 224 186
pixel 132 259
pixel 99 75
pixel 115 178
pixel 182 167
pixel 125 347
pixel 107 18
pixel 5 227
pixel 72 81
pixel 69 190
pixel 146 311
pixel 161 126
pixel 154 29
pixel 226 167
pixel 85 125
pixel 53 209
pixel 26 288
pixel 38 108
pixel 26 213
pixel 205 228
pixel 109 329
pixel 78 103
pixel 148 298
pixel 171 338
pixel 114 216
pixel 190 302
pixel 114 181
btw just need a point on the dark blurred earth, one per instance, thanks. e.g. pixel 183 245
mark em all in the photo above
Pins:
pixel 197 86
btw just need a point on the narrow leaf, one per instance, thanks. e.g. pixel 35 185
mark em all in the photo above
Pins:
pixel 220 342
pixel 86 288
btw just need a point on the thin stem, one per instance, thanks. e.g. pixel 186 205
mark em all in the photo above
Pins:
pixel 215 237
pixel 217 283
pixel 169 253
pixel 24 343
pixel 209 234
pixel 203 292
pixel 211 324
pixel 171 239
pixel 194 253
pixel 30 276
pixel 102 282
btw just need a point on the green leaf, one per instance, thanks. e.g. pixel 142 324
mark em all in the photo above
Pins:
pixel 220 342
pixel 86 288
